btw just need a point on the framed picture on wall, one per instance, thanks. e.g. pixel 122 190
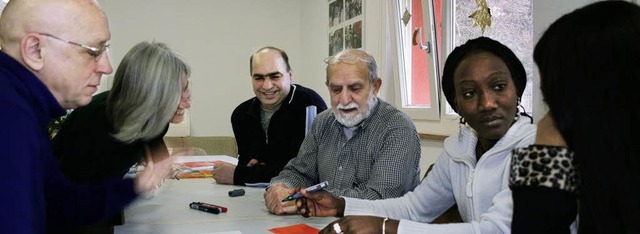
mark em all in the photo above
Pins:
pixel 346 27
pixel 336 39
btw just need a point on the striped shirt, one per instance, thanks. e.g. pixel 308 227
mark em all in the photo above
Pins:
pixel 380 160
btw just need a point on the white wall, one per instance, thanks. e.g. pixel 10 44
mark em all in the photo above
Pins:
pixel 310 71
pixel 216 38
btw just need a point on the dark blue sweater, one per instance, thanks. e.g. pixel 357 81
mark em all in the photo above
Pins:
pixel 36 196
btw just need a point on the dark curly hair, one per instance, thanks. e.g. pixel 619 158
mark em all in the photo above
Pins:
pixel 481 44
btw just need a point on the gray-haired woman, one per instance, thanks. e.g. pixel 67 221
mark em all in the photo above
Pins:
pixel 127 124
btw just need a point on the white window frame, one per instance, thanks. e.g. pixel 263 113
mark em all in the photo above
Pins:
pixel 448 30
pixel 402 69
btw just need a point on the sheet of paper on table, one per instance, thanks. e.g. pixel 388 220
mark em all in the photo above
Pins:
pixel 199 166
pixel 297 228
pixel 207 158
pixel 229 232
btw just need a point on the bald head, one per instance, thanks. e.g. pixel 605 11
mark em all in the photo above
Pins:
pixel 61 42
pixel 269 49
pixel 62 18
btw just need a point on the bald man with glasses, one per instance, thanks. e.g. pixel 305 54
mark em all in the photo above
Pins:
pixel 363 147
pixel 52 58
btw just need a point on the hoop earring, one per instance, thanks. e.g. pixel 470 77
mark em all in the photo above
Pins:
pixel 461 124
pixel 518 105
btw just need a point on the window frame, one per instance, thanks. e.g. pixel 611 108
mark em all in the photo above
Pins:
pixel 402 67
pixel 448 44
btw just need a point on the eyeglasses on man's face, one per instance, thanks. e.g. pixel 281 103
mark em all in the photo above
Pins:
pixel 348 59
pixel 95 52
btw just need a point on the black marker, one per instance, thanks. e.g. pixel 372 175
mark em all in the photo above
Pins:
pixel 205 207
pixel 236 193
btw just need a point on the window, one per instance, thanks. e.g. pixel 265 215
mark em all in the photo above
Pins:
pixel 418 32
pixel 448 24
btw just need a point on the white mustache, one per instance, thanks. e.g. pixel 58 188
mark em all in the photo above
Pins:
pixel 348 106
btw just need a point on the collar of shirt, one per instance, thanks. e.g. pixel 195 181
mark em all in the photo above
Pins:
pixel 256 106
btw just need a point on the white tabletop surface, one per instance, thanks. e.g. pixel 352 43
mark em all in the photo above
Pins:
pixel 169 212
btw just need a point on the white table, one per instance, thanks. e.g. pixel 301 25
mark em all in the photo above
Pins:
pixel 169 212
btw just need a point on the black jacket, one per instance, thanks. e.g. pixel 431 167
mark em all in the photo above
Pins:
pixel 86 150
pixel 286 133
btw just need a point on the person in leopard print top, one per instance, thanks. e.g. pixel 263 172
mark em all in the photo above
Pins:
pixel 585 158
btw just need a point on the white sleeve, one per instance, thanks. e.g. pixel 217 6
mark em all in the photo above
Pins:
pixel 495 220
pixel 430 199
pixel 427 201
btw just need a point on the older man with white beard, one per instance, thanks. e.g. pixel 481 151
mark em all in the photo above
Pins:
pixel 364 147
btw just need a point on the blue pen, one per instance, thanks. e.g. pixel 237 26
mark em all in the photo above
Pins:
pixel 309 189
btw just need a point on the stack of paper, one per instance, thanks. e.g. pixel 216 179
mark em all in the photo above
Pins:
pixel 198 166
pixel 193 169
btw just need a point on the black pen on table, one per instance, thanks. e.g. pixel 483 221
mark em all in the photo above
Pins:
pixel 309 189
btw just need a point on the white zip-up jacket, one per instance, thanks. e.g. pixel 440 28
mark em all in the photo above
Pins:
pixel 480 188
